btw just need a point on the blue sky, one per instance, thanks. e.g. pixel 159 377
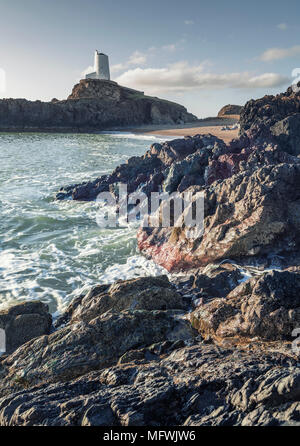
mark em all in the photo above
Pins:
pixel 202 54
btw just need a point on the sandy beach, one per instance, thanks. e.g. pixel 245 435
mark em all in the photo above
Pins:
pixel 208 125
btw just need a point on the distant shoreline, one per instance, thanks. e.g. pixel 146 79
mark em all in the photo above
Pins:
pixel 211 125
pixel 207 125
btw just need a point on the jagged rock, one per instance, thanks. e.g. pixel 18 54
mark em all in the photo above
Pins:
pixel 287 133
pixel 196 385
pixel 218 280
pixel 146 172
pixel 132 367
pixel 24 321
pixel 143 293
pixel 191 169
pixel 273 119
pixel 99 328
pixel 246 215
pixel 267 307
pixel 82 347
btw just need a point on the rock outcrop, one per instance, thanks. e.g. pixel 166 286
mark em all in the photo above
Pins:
pixel 274 119
pixel 250 188
pixel 148 172
pixel 213 348
pixel 126 355
pixel 249 214
pixel 93 105
pixel 267 307
pixel 229 110
pixel 97 330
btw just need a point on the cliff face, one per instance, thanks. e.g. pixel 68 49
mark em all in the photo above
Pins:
pixel 93 105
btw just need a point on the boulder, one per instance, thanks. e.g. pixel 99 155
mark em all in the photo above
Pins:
pixel 249 214
pixel 267 307
pixel 218 280
pixel 85 346
pixel 143 293
pixel 24 321
pixel 273 119
pixel 98 328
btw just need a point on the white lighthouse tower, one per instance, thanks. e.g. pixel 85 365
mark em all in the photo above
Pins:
pixel 101 67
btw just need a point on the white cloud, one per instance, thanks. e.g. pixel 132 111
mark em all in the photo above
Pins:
pixel 88 70
pixel 136 58
pixel 189 22
pixel 280 53
pixel 182 77
pixel 118 67
pixel 282 26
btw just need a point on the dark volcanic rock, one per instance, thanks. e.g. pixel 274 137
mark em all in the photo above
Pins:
pixel 147 293
pixel 249 214
pixel 143 366
pixel 148 172
pixel 197 385
pixel 218 280
pixel 273 118
pixel 287 133
pixel 24 321
pixel 93 105
pixel 100 328
pixel 266 306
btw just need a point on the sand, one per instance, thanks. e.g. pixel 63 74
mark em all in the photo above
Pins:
pixel 208 125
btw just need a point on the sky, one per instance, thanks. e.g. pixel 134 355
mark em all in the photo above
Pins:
pixel 202 54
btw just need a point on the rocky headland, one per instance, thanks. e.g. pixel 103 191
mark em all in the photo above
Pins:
pixel 93 105
pixel 213 344
pixel 230 110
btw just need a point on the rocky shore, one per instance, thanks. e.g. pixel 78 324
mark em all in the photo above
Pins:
pixel 94 105
pixel 212 345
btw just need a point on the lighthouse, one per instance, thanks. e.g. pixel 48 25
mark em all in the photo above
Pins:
pixel 101 67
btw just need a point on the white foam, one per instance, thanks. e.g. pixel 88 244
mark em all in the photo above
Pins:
pixel 135 266
pixel 141 136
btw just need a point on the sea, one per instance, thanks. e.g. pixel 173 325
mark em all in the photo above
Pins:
pixel 54 250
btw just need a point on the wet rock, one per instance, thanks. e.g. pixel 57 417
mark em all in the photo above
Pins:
pixel 24 321
pixel 148 172
pixel 100 327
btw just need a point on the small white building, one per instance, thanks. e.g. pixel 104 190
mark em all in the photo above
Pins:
pixel 101 67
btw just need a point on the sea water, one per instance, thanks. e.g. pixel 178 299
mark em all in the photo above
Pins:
pixel 53 250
